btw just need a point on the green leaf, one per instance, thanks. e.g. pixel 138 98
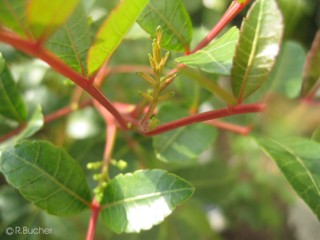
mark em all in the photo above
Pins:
pixel 217 56
pixel 34 124
pixel 46 175
pixel 137 201
pixel 174 21
pixel 258 46
pixel 12 15
pixel 183 145
pixel 11 103
pixel 299 161
pixel 72 41
pixel 44 17
pixel 311 76
pixel 113 30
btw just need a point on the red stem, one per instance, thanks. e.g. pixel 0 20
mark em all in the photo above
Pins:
pixel 230 127
pixel 201 117
pixel 33 49
pixel 232 11
pixel 95 210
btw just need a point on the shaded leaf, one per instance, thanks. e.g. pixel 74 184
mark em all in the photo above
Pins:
pixel 46 175
pixel 34 124
pixel 12 15
pixel 113 30
pixel 11 102
pixel 311 75
pixel 174 21
pixel 44 17
pixel 299 161
pixel 72 41
pixel 137 201
pixel 217 56
pixel 183 145
pixel 258 46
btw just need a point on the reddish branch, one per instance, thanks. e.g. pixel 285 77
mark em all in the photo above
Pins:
pixel 36 50
pixel 243 130
pixel 95 210
pixel 201 117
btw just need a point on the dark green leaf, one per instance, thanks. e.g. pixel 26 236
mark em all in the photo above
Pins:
pixel 135 202
pixel 257 48
pixel 174 21
pixel 72 41
pixel 312 68
pixel 217 56
pixel 44 17
pixel 11 103
pixel 47 176
pixel 183 145
pixel 299 161
pixel 113 30
pixel 12 15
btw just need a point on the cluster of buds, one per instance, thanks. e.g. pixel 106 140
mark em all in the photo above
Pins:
pixel 157 82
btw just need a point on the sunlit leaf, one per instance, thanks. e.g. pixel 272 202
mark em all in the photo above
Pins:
pixel 258 46
pixel 312 68
pixel 174 21
pixel 113 31
pixel 72 41
pixel 299 161
pixel 12 15
pixel 183 145
pixel 44 17
pixel 217 56
pixel 137 201
pixel 11 102
pixel 46 175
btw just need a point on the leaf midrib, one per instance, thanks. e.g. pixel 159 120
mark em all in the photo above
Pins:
pixel 69 191
pixel 145 196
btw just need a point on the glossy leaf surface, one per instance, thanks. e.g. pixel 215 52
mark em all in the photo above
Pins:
pixel 299 161
pixel 258 46
pixel 217 56
pixel 46 175
pixel 137 201
pixel 113 31
pixel 44 17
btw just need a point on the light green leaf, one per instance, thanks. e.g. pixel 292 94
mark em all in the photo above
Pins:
pixel 72 41
pixel 113 31
pixel 12 15
pixel 137 201
pixel 299 161
pixel 174 21
pixel 44 17
pixel 183 145
pixel 311 75
pixel 34 124
pixel 11 102
pixel 258 46
pixel 217 56
pixel 46 175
